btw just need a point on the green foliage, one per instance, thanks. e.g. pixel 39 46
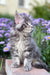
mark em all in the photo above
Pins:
pixel 45 50
pixel 43 44
pixel 1 65
pixel 6 16
pixel 5 25
pixel 41 11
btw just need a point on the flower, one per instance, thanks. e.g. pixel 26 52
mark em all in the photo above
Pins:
pixel 2 24
pixel 41 19
pixel 4 20
pixel 48 26
pixel 8 45
pixel 47 37
pixel 48 31
pixel 36 21
pixel 7 34
pixel 46 21
pixel 44 24
pixel 0 20
pixel 8 39
pixel 44 31
pixel 2 42
pixel 23 14
pixel 43 28
pixel 1 35
pixel 8 31
pixel 10 23
pixel 49 22
pixel 2 31
pixel 5 49
pixel 0 27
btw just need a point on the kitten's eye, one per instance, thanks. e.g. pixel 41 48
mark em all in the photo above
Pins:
pixel 27 23
pixel 23 25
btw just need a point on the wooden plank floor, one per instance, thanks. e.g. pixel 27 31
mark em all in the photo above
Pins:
pixel 3 67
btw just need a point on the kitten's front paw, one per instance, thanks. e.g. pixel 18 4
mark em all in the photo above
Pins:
pixel 27 68
pixel 15 65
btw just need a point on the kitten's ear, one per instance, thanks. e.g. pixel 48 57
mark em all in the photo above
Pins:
pixel 18 18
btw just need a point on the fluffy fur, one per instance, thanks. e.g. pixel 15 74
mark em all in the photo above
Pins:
pixel 23 47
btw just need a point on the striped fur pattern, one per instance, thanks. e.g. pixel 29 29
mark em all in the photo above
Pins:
pixel 23 47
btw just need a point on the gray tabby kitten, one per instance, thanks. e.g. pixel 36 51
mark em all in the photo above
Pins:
pixel 23 47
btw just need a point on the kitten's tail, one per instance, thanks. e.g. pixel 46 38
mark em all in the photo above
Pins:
pixel 39 64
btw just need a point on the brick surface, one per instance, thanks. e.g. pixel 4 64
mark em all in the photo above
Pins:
pixel 19 71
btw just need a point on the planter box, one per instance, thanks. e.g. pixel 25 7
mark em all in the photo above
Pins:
pixel 19 71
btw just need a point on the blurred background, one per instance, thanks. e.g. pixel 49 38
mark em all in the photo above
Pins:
pixel 38 8
pixel 40 11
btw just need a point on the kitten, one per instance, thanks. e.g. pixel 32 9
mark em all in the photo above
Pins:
pixel 23 47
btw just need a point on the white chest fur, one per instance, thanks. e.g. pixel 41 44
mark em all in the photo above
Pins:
pixel 20 46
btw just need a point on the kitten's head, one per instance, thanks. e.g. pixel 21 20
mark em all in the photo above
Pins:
pixel 23 23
